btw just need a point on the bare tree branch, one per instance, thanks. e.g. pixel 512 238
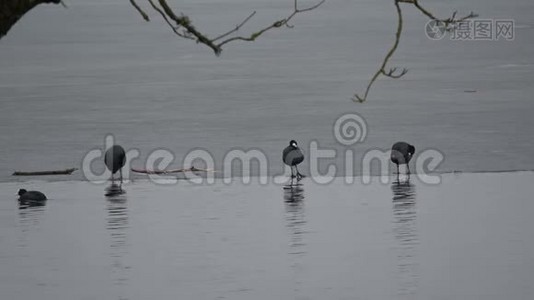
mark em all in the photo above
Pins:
pixel 392 73
pixel 12 10
pixel 237 27
pixel 276 24
pixel 186 23
pixel 143 14
pixel 382 70
pixel 449 21
pixel 182 25
pixel 164 16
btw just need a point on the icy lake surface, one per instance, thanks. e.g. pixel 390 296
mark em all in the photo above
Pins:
pixel 69 77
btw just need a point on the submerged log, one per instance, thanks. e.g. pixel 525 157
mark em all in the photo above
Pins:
pixel 40 173
pixel 192 169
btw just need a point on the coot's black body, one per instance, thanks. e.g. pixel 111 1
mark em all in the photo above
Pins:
pixel 292 156
pixel 402 153
pixel 31 195
pixel 115 159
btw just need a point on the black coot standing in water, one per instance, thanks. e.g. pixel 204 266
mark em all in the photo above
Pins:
pixel 115 159
pixel 401 153
pixel 25 195
pixel 292 156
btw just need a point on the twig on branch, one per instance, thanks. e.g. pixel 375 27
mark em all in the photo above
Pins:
pixel 449 21
pixel 392 73
pixel 186 23
pixel 382 68
pixel 276 24
pixel 40 173
pixel 237 27
pixel 140 10
pixel 182 26
pixel 164 16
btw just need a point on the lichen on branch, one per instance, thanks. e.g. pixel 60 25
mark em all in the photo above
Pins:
pixel 182 25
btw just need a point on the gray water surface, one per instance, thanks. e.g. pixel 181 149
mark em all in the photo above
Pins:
pixel 469 238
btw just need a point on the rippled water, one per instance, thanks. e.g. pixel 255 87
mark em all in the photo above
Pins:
pixel 468 238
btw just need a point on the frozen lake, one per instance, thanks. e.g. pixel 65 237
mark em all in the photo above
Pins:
pixel 97 68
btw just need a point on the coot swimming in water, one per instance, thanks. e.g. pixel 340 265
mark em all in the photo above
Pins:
pixel 25 195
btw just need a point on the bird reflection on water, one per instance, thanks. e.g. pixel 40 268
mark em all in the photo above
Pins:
pixel 114 190
pixel 117 226
pixel 295 216
pixel 30 215
pixel 406 236
pixel 25 204
pixel 295 223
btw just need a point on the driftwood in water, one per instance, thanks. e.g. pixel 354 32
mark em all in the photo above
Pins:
pixel 40 173
pixel 192 169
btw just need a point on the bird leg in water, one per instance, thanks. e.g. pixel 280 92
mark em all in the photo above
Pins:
pixel 120 172
pixel 299 176
pixel 408 169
